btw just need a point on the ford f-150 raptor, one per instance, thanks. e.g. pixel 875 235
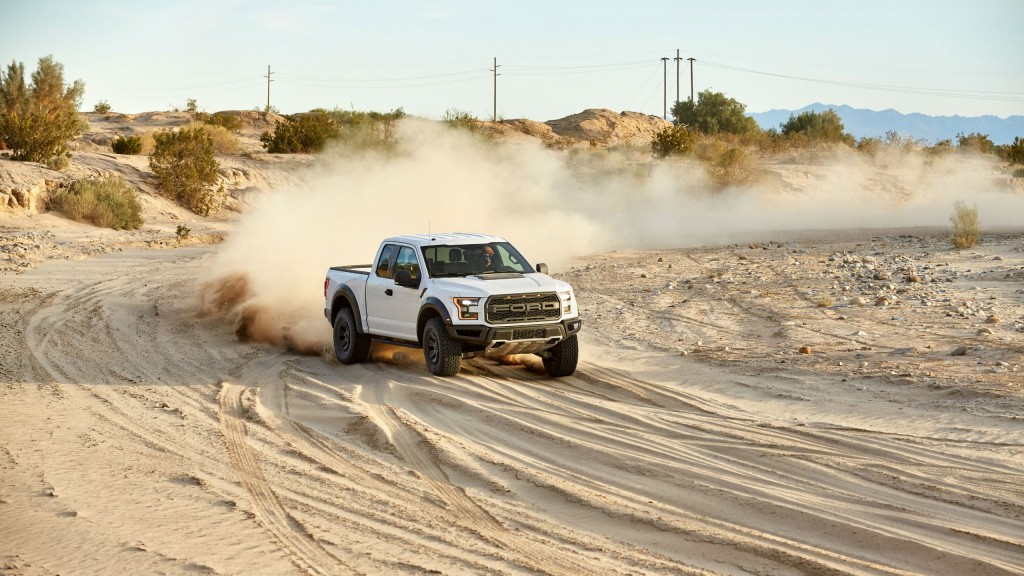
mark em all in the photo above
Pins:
pixel 455 296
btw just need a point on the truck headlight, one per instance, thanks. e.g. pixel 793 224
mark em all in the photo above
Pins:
pixel 469 308
pixel 566 298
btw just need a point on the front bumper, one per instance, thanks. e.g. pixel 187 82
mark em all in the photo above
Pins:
pixel 513 339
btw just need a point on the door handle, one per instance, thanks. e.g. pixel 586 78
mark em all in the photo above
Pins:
pixel 389 292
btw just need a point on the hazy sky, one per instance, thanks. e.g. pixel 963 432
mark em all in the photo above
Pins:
pixel 939 57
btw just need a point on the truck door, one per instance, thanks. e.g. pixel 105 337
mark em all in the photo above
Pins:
pixel 392 309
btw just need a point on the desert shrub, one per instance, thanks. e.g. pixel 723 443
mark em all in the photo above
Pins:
pixel 127 145
pixel 107 202
pixel 191 107
pixel 733 166
pixel 182 232
pixel 230 122
pixel 826 301
pixel 186 169
pixel 102 107
pixel 307 133
pixel 224 141
pixel 672 141
pixel 870 145
pixel 974 142
pixel 965 225
pixel 367 130
pixel 38 120
pixel 714 113
pixel 1013 153
pixel 455 118
pixel 824 126
pixel 148 143
pixel 940 148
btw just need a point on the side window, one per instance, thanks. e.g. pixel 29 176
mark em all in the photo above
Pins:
pixel 407 261
pixel 387 256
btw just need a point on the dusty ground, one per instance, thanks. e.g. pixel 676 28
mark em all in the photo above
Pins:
pixel 138 437
pixel 837 403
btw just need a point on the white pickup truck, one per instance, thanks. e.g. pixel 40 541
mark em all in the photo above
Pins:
pixel 456 296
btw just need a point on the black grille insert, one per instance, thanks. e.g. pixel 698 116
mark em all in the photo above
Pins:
pixel 523 308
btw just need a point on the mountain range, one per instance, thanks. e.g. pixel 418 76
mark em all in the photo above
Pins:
pixel 866 123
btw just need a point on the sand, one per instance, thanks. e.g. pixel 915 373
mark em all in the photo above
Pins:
pixel 138 437
pixel 844 402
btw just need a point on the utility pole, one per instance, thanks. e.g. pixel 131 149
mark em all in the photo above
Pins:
pixel 677 74
pixel 267 111
pixel 691 78
pixel 494 116
pixel 664 90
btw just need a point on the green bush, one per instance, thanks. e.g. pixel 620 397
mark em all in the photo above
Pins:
pixel 714 113
pixel 1013 153
pixel 228 121
pixel 101 107
pixel 306 133
pixel 965 225
pixel 974 142
pixel 127 145
pixel 107 202
pixel 672 141
pixel 818 127
pixel 186 169
pixel 367 130
pixel 38 120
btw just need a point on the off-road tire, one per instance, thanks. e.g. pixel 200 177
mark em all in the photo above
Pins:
pixel 442 353
pixel 562 357
pixel 350 346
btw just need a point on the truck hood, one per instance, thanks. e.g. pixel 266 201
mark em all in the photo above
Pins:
pixel 497 284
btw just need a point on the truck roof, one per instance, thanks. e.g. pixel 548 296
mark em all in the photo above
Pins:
pixel 448 238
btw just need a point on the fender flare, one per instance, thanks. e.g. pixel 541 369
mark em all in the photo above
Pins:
pixel 345 293
pixel 432 306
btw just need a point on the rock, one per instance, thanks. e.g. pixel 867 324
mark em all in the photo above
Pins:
pixel 993 319
pixel 858 301
pixel 961 351
pixel 804 350
pixel 882 301
pixel 985 331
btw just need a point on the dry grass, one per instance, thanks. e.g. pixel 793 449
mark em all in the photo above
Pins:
pixel 106 202
pixel 224 141
pixel 965 225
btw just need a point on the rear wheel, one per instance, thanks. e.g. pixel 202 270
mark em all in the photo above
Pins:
pixel 350 346
pixel 442 353
pixel 562 357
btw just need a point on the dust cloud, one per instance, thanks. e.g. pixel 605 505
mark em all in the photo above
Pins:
pixel 267 278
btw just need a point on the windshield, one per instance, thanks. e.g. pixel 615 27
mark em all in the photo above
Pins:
pixel 474 259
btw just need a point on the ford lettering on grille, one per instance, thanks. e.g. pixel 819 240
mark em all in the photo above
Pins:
pixel 523 308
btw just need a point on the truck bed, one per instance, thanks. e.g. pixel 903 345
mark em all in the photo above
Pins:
pixel 354 268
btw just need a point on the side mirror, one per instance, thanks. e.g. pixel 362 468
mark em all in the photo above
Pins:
pixel 542 268
pixel 404 278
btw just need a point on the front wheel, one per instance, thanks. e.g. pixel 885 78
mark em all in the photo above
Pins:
pixel 442 353
pixel 562 357
pixel 350 346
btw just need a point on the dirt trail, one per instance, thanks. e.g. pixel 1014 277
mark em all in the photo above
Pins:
pixel 156 442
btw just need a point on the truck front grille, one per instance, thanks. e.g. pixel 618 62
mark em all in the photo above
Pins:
pixel 523 308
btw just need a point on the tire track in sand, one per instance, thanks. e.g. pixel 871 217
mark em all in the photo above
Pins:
pixel 300 546
pixel 542 557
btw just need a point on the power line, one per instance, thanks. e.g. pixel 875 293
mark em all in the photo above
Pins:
pixel 943 92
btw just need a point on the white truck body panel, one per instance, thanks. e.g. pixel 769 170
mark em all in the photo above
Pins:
pixel 480 306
